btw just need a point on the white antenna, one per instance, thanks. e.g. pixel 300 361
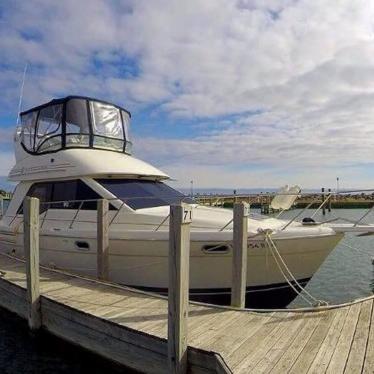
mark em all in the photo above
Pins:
pixel 21 93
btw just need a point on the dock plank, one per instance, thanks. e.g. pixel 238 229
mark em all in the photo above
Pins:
pixel 307 355
pixel 269 360
pixel 357 353
pixel 292 353
pixel 257 341
pixel 231 336
pixel 323 357
pixel 368 366
pixel 339 358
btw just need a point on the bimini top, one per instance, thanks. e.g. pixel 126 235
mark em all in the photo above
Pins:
pixel 75 122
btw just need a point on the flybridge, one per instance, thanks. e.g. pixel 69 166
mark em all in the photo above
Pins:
pixel 75 122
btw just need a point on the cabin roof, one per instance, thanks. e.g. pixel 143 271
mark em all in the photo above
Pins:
pixel 67 98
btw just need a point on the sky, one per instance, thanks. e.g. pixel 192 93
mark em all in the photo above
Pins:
pixel 229 94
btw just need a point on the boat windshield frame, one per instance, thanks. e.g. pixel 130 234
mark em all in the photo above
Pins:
pixel 75 122
pixel 143 193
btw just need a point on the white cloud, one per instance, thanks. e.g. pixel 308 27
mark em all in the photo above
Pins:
pixel 306 68
pixel 6 162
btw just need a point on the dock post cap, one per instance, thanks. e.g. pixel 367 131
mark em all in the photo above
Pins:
pixel 186 211
pixel 246 207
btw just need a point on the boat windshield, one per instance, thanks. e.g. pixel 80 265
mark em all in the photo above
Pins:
pixel 75 122
pixel 139 194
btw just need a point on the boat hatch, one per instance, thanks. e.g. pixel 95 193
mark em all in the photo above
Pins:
pixel 75 122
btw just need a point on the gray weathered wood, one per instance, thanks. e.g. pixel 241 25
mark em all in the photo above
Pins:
pixel 179 258
pixel 102 239
pixel 239 255
pixel 31 246
pixel 1 206
pixel 121 324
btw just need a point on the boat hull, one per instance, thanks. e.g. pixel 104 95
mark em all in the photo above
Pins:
pixel 144 264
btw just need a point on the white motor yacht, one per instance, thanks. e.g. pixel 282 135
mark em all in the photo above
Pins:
pixel 70 152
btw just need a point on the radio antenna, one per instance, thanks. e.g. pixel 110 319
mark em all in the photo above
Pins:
pixel 21 92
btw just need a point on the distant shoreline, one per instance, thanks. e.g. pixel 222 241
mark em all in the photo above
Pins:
pixel 334 205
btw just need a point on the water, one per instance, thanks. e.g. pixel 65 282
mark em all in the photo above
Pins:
pixel 346 274
pixel 27 353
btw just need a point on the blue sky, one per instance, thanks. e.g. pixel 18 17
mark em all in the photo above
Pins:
pixel 230 94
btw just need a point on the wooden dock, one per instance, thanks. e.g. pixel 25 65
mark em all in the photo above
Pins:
pixel 130 327
pixel 154 334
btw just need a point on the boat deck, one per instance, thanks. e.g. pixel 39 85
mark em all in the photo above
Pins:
pixel 130 327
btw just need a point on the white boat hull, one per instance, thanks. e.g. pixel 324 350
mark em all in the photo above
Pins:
pixel 144 263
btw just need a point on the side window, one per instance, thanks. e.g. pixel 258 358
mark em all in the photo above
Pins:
pixel 64 195
pixel 107 126
pixel 48 135
pixel 69 195
pixel 126 126
pixel 77 128
pixel 84 192
pixel 28 122
pixel 43 191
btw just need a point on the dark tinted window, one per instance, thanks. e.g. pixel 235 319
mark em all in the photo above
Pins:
pixel 139 194
pixel 63 193
pixel 43 191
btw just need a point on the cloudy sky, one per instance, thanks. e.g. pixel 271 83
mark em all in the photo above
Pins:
pixel 246 93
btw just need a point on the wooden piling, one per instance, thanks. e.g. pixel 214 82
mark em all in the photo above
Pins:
pixel 239 255
pixel 31 247
pixel 102 239
pixel 323 199
pixel 330 198
pixel 179 259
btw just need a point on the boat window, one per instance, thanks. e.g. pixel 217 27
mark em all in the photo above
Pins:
pixel 49 128
pixel 107 126
pixel 77 124
pixel 42 191
pixel 65 195
pixel 126 128
pixel 138 194
pixel 28 122
pixel 73 190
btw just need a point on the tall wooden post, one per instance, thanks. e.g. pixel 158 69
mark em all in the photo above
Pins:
pixel 31 248
pixel 239 255
pixel 179 260
pixel 323 199
pixel 102 239
pixel 329 204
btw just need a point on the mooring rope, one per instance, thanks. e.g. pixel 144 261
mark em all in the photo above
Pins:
pixel 279 261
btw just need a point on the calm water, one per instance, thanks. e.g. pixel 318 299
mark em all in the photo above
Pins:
pixel 26 353
pixel 345 275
